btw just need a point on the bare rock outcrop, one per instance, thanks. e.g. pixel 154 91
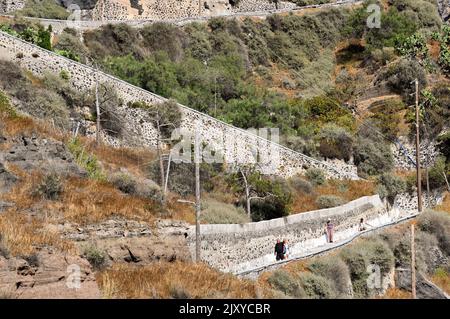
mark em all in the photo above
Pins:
pixel 47 274
pixel 32 152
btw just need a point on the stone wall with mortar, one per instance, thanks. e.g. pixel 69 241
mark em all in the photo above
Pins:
pixel 405 156
pixel 175 9
pixel 241 247
pixel 7 6
pixel 236 145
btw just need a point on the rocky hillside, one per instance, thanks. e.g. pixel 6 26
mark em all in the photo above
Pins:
pixel 335 88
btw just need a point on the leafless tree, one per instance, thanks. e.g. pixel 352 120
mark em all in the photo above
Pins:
pixel 247 172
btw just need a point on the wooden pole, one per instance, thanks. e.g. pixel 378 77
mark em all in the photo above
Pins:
pixel 413 264
pixel 419 182
pixel 197 196
pixel 97 110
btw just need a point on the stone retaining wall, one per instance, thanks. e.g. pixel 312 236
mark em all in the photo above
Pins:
pixel 237 248
pixel 237 146
pixel 7 6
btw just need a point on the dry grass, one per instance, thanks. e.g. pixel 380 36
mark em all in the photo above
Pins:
pixel 169 280
pixel 349 190
pixel 86 201
pixel 23 125
pixel 135 160
pixel 396 293
pixel 22 235
pixel 83 201
pixel 442 279
pixel 445 205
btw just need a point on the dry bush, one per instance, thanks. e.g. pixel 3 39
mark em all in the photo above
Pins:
pixel 215 212
pixel 329 201
pixel 173 280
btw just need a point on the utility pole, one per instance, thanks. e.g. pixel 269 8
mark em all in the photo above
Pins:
pixel 419 182
pixel 413 264
pixel 215 95
pixel 97 110
pixel 197 196
pixel 199 7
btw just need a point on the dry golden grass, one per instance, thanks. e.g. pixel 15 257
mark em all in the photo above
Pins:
pixel 83 201
pixel 396 293
pixel 445 205
pixel 135 160
pixel 22 235
pixel 349 190
pixel 22 125
pixel 180 211
pixel 168 280
pixel 87 201
pixel 442 280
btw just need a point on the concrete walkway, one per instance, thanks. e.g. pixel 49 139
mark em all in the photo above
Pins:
pixel 321 247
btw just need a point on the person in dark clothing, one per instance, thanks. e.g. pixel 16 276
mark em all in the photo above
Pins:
pixel 279 250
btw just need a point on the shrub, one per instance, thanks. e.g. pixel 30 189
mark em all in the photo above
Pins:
pixel 125 183
pixel 391 186
pixel 182 177
pixel 362 254
pixel 335 142
pixel 328 201
pixel 335 270
pixel 400 77
pixel 438 224
pixel 372 157
pixel 84 159
pixel 274 205
pixel 215 212
pixel 285 282
pixel 316 176
pixel 96 257
pixel 50 187
pixel 48 9
pixel 301 185
pixel 316 287
pixel 436 173
pixel 5 106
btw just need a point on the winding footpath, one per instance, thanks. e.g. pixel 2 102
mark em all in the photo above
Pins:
pixel 344 239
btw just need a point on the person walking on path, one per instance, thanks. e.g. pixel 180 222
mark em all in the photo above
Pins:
pixel 279 250
pixel 363 225
pixel 286 251
pixel 329 230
